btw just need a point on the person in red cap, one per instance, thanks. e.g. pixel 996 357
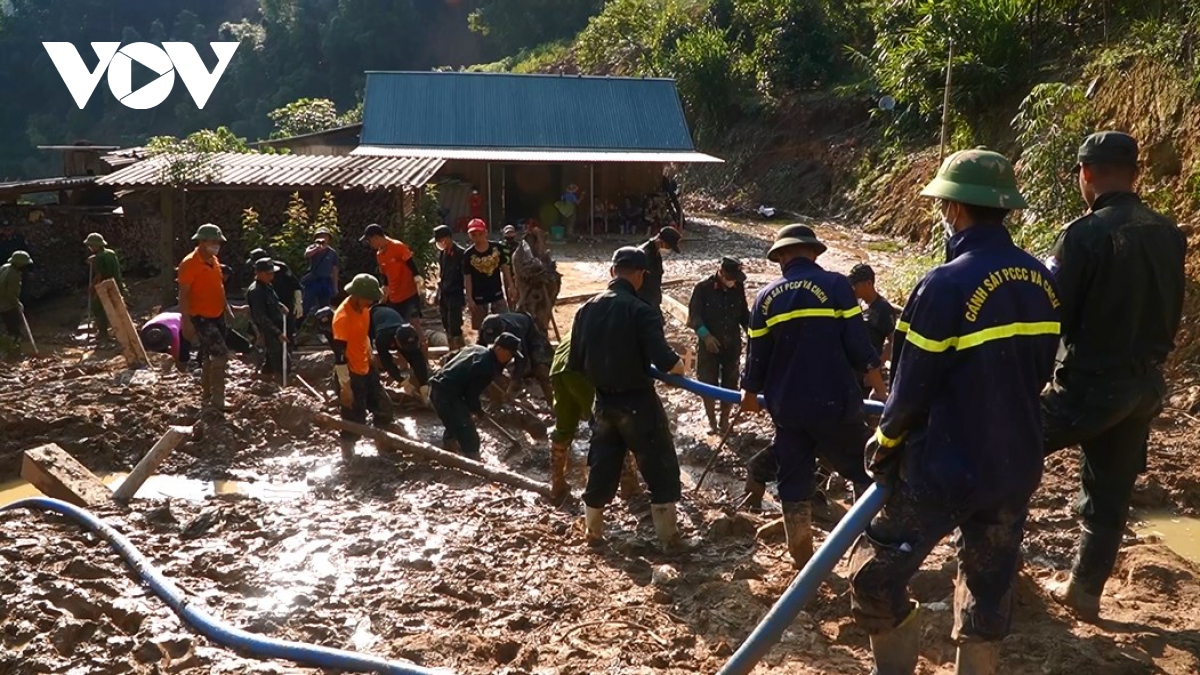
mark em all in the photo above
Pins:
pixel 404 281
pixel 485 274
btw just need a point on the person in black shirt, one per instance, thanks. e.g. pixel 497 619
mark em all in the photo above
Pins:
pixel 485 275
pixel 879 315
pixel 719 314
pixel 1120 272
pixel 287 287
pixel 451 296
pixel 615 339
pixel 457 387
pixel 538 354
pixel 663 244
pixel 267 314
pixel 389 330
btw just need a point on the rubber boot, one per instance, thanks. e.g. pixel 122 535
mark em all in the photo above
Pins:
pixel 797 523
pixel 559 456
pixel 630 486
pixel 666 525
pixel 977 658
pixel 754 492
pixel 710 409
pixel 724 424
pixel 1094 563
pixel 218 384
pixel 594 522
pixel 896 651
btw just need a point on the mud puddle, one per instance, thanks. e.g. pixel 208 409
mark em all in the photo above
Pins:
pixel 1180 533
pixel 177 487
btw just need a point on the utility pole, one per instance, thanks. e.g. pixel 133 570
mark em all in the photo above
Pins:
pixel 946 101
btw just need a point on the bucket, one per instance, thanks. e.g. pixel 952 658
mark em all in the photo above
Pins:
pixel 557 232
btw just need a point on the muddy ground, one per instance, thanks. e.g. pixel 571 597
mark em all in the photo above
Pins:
pixel 408 560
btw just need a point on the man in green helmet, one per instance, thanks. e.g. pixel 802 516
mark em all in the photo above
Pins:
pixel 202 308
pixel 960 438
pixel 103 265
pixel 12 312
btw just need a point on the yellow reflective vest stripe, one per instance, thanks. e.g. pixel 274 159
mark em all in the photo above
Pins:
pixel 962 342
pixel 816 312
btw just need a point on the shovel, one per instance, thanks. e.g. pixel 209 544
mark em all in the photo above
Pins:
pixel 28 333
pixel 717 453
pixel 285 345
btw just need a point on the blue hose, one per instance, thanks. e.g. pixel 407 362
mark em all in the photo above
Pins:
pixel 804 587
pixel 250 643
pixel 729 395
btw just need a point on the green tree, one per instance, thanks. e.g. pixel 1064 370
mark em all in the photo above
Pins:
pixel 294 236
pixel 637 37
pixel 710 78
pixel 327 218
pixel 516 25
pixel 189 160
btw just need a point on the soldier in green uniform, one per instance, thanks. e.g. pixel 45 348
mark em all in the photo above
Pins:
pixel 1121 273
pixel 104 265
pixel 11 309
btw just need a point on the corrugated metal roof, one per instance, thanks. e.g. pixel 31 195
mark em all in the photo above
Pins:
pixel 287 171
pixel 530 112
pixel 27 187
pixel 552 156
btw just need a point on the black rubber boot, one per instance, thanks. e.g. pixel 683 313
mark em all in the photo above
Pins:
pixel 1094 563
pixel 896 651
pixel 710 409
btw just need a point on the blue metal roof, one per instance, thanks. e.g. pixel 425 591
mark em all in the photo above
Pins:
pixel 509 111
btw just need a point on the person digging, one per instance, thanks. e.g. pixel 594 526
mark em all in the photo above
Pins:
pixel 455 391
pixel 389 331
pixel 359 387
pixel 12 312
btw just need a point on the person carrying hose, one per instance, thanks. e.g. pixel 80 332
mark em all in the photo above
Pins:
pixel 359 388
pixel 960 439
pixel 104 265
pixel 808 343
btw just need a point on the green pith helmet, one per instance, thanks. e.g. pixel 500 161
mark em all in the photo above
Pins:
pixel 208 232
pixel 979 177
pixel 95 240
pixel 20 259
pixel 365 286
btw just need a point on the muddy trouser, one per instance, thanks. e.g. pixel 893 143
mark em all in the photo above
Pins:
pixel 417 363
pixel 481 311
pixel 898 540
pixel 99 316
pixel 573 400
pixel 839 444
pixel 457 420
pixel 763 467
pixel 451 312
pixel 720 369
pixel 368 396
pixel 210 339
pixel 635 420
pixel 273 355
pixel 1109 418
pixel 12 324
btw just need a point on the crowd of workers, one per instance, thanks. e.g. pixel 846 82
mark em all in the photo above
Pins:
pixel 996 361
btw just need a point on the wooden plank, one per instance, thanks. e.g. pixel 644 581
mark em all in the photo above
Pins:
pixel 58 475
pixel 122 325
pixel 150 462
pixel 584 297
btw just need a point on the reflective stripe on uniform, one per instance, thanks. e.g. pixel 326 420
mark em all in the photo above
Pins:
pixel 805 314
pixel 885 440
pixel 977 338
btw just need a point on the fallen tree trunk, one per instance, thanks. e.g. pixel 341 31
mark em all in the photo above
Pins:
pixel 427 451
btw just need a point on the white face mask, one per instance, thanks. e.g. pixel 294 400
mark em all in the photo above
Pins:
pixel 947 226
pixel 666 252
pixel 214 248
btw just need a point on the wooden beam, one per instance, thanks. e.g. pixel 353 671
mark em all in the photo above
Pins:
pixel 145 468
pixel 58 475
pixel 429 452
pixel 118 317
pixel 584 297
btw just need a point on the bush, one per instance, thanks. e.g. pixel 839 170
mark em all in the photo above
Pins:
pixel 709 77
pixel 637 37
pixel 790 43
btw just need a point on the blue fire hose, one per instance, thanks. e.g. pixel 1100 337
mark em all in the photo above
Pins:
pixel 255 645
pixel 802 589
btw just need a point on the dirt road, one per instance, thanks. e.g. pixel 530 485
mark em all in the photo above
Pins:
pixel 413 561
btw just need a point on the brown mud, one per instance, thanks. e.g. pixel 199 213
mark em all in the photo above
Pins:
pixel 408 560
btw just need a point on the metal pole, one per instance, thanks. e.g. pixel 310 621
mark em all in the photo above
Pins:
pixel 946 101
pixel 592 195
pixel 491 221
pixel 286 317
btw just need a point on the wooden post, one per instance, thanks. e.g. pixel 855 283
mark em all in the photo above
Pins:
pixel 58 475
pixel 123 328
pixel 150 462
pixel 426 451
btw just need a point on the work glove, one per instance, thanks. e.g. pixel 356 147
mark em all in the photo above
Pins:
pixel 298 304
pixel 712 344
pixel 882 463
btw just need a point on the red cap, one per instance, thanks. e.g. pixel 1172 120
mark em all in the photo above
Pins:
pixel 476 225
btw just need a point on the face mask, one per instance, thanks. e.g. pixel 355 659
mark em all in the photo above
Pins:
pixel 666 252
pixel 947 226
pixel 213 248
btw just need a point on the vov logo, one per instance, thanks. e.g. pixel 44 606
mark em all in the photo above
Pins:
pixel 171 58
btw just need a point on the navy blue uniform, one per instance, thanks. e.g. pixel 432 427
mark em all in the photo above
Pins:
pixel 456 391
pixel 973 349
pixel 808 343
pixel 391 331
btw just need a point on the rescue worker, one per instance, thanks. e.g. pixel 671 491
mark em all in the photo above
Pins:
pixel 359 388
pixel 399 267
pixel 574 397
pixel 1120 269
pixel 484 275
pixel 451 294
pixel 103 264
pixel 616 337
pixel 537 354
pixel 879 313
pixel 807 344
pixel 456 388
pixel 288 289
pixel 665 243
pixel 202 307
pixel 319 284
pixel 11 309
pixel 718 313
pixel 960 439
pixel 266 314
pixel 390 331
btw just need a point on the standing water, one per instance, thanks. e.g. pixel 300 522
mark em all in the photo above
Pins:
pixel 1180 533
pixel 175 487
